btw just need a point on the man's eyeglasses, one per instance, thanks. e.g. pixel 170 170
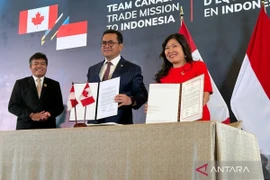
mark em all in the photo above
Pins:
pixel 110 43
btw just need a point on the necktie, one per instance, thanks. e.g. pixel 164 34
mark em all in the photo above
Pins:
pixel 107 71
pixel 39 86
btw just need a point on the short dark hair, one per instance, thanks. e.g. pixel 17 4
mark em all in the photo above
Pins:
pixel 38 55
pixel 119 35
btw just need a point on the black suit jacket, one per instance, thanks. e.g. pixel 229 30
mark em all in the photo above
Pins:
pixel 131 84
pixel 24 101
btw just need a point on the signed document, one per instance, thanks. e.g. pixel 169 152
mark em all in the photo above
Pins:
pixel 192 99
pixel 107 91
pixel 176 102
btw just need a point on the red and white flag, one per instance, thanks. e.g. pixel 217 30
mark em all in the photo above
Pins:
pixel 86 97
pixel 72 101
pixel 250 100
pixel 72 35
pixel 217 106
pixel 39 19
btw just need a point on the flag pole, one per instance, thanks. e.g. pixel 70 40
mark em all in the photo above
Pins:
pixel 85 109
pixel 75 110
pixel 263 4
pixel 76 121
pixel 181 14
pixel 80 124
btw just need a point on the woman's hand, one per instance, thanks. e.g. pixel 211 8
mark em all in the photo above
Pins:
pixel 206 97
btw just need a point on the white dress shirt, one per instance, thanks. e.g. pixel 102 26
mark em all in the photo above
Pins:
pixel 114 62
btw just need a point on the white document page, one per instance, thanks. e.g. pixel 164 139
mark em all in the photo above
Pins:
pixel 163 103
pixel 90 109
pixel 192 99
pixel 105 124
pixel 107 91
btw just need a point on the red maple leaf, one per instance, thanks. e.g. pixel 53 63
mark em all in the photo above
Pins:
pixel 38 19
pixel 85 93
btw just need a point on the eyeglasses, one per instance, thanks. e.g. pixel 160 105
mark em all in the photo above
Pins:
pixel 110 43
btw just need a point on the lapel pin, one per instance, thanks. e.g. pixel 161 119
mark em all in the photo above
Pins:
pixel 121 65
pixel 45 85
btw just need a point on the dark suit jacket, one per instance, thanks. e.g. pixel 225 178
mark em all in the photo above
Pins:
pixel 131 84
pixel 24 101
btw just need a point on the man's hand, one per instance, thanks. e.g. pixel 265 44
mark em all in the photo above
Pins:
pixel 36 116
pixel 123 100
pixel 45 116
pixel 40 116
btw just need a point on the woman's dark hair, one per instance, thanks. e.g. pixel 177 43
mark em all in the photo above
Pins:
pixel 167 65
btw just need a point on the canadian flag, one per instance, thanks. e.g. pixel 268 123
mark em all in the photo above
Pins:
pixel 39 19
pixel 250 100
pixel 86 97
pixel 72 101
pixel 217 106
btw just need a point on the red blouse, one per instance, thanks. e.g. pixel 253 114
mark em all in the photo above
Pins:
pixel 187 72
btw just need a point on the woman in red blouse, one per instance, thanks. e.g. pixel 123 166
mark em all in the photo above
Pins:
pixel 178 67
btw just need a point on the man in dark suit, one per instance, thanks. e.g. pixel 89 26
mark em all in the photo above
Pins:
pixel 36 100
pixel 133 93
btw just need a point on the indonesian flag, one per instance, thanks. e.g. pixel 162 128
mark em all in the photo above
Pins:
pixel 217 106
pixel 250 100
pixel 86 97
pixel 39 19
pixel 72 35
pixel 72 101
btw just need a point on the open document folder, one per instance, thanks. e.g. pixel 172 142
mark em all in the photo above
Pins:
pixel 176 102
pixel 103 94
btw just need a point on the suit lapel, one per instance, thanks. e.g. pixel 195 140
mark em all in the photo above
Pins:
pixel 118 69
pixel 99 66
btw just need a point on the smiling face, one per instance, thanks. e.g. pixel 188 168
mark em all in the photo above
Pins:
pixel 174 53
pixel 38 67
pixel 110 46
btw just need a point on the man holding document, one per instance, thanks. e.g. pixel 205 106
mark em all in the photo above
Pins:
pixel 132 92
